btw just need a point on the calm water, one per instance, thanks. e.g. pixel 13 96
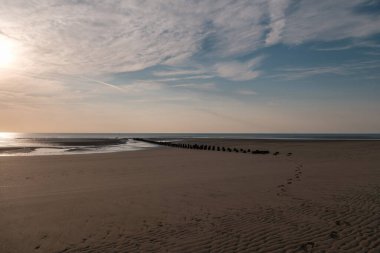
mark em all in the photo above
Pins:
pixel 55 144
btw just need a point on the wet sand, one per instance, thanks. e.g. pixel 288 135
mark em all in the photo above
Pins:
pixel 15 150
pixel 325 196
pixel 75 144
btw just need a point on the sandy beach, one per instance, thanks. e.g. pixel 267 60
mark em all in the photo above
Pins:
pixel 324 197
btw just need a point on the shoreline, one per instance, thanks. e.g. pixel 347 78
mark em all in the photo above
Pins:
pixel 84 145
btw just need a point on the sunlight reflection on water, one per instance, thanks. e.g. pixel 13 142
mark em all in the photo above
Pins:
pixel 13 144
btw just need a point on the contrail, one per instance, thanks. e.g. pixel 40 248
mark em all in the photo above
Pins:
pixel 104 83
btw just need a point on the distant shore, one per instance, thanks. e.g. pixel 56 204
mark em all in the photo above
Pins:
pixel 324 196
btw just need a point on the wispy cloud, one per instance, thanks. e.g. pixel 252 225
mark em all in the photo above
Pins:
pixel 355 44
pixel 140 86
pixel 181 78
pixel 201 86
pixel 301 73
pixel 175 75
pixel 328 21
pixel 373 53
pixel 336 48
pixel 126 35
pixel 179 72
pixel 355 68
pixel 91 36
pixel 238 71
pixel 277 10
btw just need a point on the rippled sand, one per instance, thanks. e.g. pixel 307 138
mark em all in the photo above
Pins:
pixel 325 196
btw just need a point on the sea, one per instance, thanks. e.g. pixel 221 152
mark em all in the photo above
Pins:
pixel 36 144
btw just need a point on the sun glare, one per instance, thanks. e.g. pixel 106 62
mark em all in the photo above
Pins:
pixel 6 52
pixel 6 135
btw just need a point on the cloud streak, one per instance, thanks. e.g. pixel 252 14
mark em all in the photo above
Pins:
pixel 348 69
pixel 277 10
pixel 104 83
pixel 328 21
pixel 238 71
pixel 179 72
pixel 202 86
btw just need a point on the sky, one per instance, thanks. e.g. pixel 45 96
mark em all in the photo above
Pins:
pixel 253 66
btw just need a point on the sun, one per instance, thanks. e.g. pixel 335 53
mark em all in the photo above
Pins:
pixel 6 52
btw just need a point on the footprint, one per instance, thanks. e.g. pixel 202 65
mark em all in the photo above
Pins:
pixel 65 249
pixel 334 235
pixel 307 247
pixel 338 223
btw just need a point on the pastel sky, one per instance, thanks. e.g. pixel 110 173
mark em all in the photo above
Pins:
pixel 190 66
